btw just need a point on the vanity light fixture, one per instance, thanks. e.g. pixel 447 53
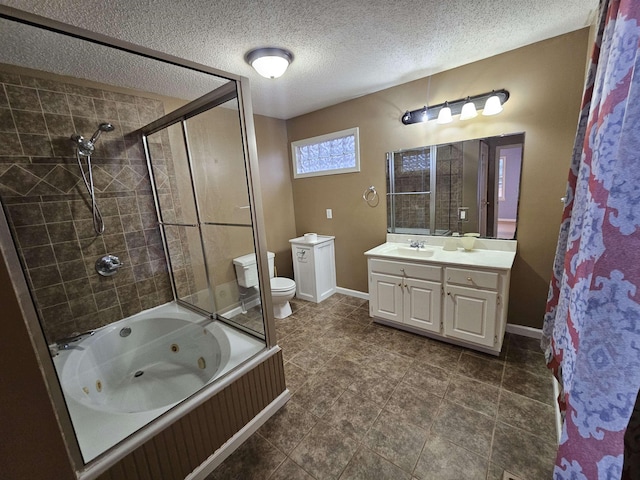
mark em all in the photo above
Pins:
pixel 444 115
pixel 468 110
pixel 270 62
pixel 490 103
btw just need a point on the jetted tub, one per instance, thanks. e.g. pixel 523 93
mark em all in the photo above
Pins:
pixel 130 372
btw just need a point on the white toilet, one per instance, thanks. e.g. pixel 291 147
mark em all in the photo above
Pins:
pixel 282 289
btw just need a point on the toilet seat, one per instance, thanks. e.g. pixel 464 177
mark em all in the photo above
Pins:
pixel 282 284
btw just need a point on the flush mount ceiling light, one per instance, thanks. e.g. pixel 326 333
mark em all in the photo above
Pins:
pixel 490 103
pixel 270 62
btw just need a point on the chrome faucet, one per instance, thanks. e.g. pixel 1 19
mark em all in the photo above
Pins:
pixel 416 244
pixel 65 343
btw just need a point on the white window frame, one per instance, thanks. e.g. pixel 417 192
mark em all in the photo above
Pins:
pixel 323 138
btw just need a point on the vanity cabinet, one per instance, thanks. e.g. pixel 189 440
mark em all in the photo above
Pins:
pixel 410 294
pixel 460 304
pixel 471 311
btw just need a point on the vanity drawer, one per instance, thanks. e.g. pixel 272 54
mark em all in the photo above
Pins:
pixel 472 278
pixel 413 270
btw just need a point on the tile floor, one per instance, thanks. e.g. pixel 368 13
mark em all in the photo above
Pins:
pixel 372 402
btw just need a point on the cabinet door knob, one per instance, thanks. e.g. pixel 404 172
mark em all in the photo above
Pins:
pixel 448 293
pixel 469 279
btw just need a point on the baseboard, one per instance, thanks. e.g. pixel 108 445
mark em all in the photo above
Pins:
pixel 210 464
pixel 524 331
pixel 352 293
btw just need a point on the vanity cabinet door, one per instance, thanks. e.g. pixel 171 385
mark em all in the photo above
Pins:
pixel 470 315
pixel 385 295
pixel 422 301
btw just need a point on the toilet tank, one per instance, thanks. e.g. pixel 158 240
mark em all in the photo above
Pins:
pixel 247 270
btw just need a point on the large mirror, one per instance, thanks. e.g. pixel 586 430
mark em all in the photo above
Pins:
pixel 471 186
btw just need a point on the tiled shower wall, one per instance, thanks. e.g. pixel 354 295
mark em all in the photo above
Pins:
pixel 49 209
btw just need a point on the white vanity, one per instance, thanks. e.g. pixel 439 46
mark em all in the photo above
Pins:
pixel 458 296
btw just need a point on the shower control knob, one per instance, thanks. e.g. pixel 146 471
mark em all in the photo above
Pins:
pixel 108 265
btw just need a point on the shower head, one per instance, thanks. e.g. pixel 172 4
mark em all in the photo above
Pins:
pixel 103 127
pixel 86 147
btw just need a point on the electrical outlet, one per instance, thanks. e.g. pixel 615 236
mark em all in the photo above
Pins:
pixel 329 213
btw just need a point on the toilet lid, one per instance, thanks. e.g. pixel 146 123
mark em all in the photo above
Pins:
pixel 282 283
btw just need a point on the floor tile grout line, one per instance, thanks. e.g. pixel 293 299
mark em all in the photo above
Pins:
pixel 493 433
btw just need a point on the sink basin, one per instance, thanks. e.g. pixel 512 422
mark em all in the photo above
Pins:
pixel 402 251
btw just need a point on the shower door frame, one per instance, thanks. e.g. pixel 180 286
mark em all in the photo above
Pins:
pixel 19 285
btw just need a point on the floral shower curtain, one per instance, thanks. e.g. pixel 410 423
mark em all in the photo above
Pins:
pixel 592 323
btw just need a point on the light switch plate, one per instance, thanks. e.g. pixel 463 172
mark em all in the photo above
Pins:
pixel 329 213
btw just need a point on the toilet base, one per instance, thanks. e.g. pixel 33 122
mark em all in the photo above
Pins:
pixel 282 311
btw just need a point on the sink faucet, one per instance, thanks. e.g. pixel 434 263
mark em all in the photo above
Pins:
pixel 416 244
pixel 65 343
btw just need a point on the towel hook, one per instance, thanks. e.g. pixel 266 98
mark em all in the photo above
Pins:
pixel 370 196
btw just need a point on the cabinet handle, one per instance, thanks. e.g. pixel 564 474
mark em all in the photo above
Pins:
pixel 469 279
pixel 449 293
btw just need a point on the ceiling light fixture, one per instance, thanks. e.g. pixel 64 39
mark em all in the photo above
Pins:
pixel 490 103
pixel 270 62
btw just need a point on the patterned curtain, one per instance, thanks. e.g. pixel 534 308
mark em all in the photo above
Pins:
pixel 591 330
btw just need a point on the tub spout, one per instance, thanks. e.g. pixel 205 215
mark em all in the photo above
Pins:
pixel 65 343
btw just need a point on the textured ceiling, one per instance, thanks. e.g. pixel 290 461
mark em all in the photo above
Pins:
pixel 343 48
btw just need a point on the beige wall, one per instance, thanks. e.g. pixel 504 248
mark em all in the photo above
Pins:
pixel 545 81
pixel 277 193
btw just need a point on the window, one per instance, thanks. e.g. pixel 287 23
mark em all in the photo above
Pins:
pixel 414 162
pixel 337 152
pixel 501 168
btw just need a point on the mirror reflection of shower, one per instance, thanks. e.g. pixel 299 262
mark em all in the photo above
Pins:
pixel 85 148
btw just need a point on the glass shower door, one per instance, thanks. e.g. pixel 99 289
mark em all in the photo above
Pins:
pixel 221 187
pixel 179 217
pixel 410 186
pixel 197 163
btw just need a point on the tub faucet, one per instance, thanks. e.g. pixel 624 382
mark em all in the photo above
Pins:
pixel 416 244
pixel 65 343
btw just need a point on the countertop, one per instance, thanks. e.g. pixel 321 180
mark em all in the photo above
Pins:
pixel 477 257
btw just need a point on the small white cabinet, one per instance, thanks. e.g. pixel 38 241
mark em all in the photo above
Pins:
pixel 441 297
pixel 314 267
